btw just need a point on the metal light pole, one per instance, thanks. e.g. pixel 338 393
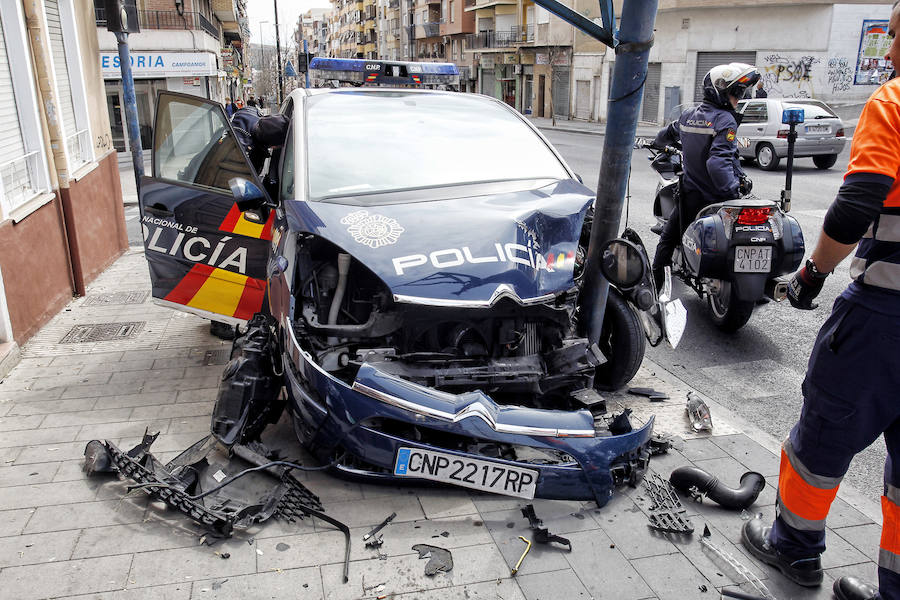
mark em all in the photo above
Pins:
pixel 306 56
pixel 278 51
pixel 262 48
pixel 635 38
pixel 131 114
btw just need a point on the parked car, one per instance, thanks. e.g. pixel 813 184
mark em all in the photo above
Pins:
pixel 763 138
pixel 414 261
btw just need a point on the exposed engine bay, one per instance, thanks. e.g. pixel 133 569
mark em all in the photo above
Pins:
pixel 519 354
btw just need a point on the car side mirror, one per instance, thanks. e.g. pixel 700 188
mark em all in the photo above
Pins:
pixel 247 195
pixel 622 264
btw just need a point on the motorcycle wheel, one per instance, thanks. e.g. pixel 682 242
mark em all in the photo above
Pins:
pixel 622 342
pixel 728 313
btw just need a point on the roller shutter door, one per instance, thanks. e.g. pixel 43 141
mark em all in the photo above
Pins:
pixel 708 60
pixel 10 133
pixel 560 86
pixel 60 70
pixel 650 109
pixel 488 82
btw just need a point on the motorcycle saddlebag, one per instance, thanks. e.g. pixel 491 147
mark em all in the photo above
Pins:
pixel 705 248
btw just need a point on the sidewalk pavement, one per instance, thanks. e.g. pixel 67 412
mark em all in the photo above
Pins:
pixel 63 535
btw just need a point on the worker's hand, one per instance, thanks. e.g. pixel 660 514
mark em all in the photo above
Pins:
pixel 745 186
pixel 805 285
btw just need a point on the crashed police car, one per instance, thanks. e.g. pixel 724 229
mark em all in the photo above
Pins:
pixel 409 262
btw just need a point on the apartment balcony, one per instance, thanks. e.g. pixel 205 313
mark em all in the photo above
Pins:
pixel 427 30
pixel 225 10
pixel 500 39
pixel 479 4
pixel 166 19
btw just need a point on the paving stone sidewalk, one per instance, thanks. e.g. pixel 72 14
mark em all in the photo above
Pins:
pixel 63 535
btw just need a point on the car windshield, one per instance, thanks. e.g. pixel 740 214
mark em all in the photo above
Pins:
pixel 365 142
pixel 812 109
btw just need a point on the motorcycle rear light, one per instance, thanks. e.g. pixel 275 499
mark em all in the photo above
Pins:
pixel 783 133
pixel 754 216
pixel 840 132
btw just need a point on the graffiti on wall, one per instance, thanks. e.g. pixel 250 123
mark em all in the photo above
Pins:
pixel 840 74
pixel 788 77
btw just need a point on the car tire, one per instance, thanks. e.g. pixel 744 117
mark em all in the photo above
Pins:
pixel 622 342
pixel 728 313
pixel 766 157
pixel 824 161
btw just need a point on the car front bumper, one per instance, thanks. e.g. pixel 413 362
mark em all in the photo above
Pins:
pixel 332 418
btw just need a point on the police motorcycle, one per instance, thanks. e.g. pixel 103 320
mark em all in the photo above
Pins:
pixel 732 253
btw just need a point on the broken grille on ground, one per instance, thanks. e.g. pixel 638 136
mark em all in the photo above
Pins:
pixel 102 332
pixel 115 298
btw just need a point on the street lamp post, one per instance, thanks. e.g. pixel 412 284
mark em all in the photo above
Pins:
pixel 262 49
pixel 278 52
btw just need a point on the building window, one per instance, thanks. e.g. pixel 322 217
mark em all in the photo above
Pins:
pixel 70 92
pixel 23 166
pixel 452 12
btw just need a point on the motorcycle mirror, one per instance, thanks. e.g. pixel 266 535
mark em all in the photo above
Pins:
pixel 622 263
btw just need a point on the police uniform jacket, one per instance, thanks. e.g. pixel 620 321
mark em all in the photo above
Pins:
pixel 709 151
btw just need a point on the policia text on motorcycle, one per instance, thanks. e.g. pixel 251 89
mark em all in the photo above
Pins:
pixel 850 394
pixel 712 171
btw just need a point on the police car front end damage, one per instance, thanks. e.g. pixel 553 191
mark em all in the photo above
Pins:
pixel 387 428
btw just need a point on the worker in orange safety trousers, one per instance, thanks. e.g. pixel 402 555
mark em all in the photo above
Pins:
pixel 851 394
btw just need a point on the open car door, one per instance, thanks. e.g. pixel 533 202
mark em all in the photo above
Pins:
pixel 206 256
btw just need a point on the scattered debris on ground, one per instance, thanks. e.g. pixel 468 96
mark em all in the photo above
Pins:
pixel 440 559
pixel 698 483
pixel 515 569
pixel 380 526
pixel 666 511
pixel 650 393
pixel 541 534
pixel 749 576
pixel 698 413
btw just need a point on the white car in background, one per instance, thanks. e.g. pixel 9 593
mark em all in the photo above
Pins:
pixel 762 136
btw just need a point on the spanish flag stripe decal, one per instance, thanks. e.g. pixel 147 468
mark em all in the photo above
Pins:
pixel 221 292
pixel 247 228
pixel 267 230
pixel 189 284
pixel 231 219
pixel 252 299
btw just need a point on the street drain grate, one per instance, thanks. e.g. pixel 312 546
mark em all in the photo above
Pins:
pixel 132 297
pixel 215 357
pixel 102 332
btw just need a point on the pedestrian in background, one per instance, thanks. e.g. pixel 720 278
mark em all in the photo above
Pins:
pixel 760 91
pixel 229 106
pixel 850 394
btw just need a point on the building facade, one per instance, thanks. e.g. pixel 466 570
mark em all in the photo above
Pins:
pixel 61 211
pixel 195 47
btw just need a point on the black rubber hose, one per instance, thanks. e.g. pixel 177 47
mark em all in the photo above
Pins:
pixel 752 483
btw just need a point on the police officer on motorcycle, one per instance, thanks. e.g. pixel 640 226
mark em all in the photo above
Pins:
pixel 708 138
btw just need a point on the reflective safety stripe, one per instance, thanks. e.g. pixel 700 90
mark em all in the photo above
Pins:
pixel 803 497
pixel 888 228
pixel 700 130
pixel 878 273
pixel 889 556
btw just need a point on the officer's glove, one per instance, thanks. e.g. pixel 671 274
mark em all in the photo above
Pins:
pixel 805 285
pixel 745 186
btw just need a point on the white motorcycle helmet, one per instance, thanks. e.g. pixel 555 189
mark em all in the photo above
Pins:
pixel 732 79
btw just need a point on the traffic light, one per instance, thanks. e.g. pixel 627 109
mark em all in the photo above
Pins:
pixel 303 61
pixel 122 16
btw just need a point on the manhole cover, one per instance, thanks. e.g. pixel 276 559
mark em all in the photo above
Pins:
pixel 102 332
pixel 215 357
pixel 132 297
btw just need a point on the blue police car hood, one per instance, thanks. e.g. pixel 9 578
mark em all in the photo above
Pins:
pixel 480 248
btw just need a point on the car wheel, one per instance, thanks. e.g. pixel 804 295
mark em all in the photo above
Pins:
pixel 825 161
pixel 766 157
pixel 728 313
pixel 622 342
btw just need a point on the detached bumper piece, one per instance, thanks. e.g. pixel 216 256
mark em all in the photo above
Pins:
pixel 185 483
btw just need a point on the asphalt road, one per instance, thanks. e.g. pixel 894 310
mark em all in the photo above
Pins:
pixel 757 371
